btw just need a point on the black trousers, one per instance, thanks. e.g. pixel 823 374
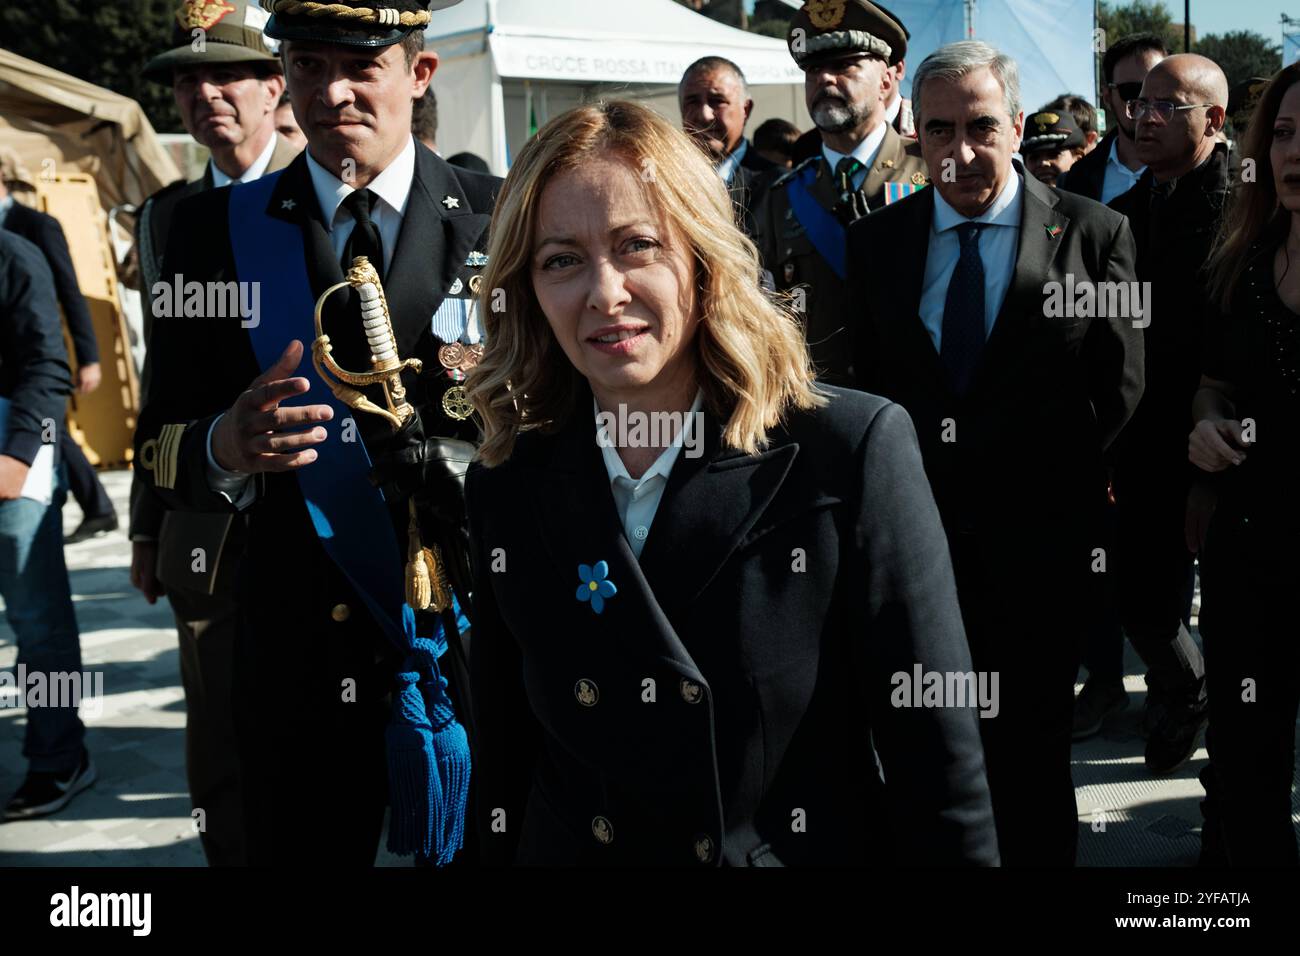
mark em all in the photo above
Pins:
pixel 1154 575
pixel 1020 605
pixel 83 481
pixel 1252 652
pixel 206 626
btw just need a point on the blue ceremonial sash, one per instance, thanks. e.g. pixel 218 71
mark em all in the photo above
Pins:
pixel 823 228
pixel 427 749
pixel 347 511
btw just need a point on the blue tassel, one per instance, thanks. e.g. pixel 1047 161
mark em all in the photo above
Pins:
pixel 414 790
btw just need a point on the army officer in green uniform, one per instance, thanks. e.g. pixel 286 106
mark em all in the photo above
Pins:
pixel 846 49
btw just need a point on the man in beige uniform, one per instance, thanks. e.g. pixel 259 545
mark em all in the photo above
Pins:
pixel 847 50
pixel 227 89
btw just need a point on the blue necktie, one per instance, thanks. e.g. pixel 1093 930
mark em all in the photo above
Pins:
pixel 962 336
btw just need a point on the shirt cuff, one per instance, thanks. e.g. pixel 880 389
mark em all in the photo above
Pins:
pixel 235 486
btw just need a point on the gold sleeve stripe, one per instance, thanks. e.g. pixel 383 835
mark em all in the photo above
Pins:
pixel 169 446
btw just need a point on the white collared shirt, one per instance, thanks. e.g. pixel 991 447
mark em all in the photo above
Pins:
pixel 727 168
pixel 637 499
pixel 392 186
pixel 1119 179
pixel 256 171
pixel 892 110
pixel 865 153
pixel 997 246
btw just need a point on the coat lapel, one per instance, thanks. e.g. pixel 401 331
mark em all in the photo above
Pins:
pixel 912 251
pixel 437 237
pixel 1042 232
pixel 888 158
pixel 708 506
pixel 294 200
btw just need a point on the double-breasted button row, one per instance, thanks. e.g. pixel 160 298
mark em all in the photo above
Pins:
pixel 705 851
pixel 588 694
pixel 602 830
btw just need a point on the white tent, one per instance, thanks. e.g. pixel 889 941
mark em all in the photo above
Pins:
pixel 507 66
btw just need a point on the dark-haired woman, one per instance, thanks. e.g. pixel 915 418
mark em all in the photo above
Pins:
pixel 1247 436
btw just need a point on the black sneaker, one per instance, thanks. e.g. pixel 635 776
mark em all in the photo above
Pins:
pixel 92 528
pixel 45 792
pixel 1095 703
pixel 1174 737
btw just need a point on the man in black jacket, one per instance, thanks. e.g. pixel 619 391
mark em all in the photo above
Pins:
pixel 1014 400
pixel 98 514
pixel 1174 212
pixel 1114 166
pixel 317 652
pixel 34 386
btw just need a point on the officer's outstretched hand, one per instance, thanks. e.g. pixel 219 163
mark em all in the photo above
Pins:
pixel 257 434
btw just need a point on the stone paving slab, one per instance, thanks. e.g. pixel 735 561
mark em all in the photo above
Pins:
pixel 137 814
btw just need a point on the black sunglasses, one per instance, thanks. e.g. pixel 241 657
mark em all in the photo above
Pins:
pixel 1127 91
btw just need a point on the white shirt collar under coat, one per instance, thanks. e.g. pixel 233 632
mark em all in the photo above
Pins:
pixel 256 171
pixel 392 185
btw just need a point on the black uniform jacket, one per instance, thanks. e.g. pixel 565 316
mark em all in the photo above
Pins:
pixel 299 606
pixel 723 706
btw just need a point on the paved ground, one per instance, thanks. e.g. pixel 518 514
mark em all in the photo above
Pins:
pixel 138 812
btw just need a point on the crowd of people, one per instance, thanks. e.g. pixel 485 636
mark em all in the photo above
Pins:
pixel 899 448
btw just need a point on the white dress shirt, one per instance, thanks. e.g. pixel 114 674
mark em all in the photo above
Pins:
pixel 727 168
pixel 997 246
pixel 1119 179
pixel 865 153
pixel 637 499
pixel 255 171
pixel 393 187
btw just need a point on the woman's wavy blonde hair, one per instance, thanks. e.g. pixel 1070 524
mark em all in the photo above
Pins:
pixel 752 360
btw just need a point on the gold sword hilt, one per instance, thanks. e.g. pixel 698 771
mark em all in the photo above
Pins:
pixel 385 366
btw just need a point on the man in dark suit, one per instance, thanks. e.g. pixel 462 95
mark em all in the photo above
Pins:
pixel 1014 401
pixel 716 105
pixel 317 648
pixel 98 514
pixel 1113 166
pixel 1174 212
pixel 848 55
pixel 227 93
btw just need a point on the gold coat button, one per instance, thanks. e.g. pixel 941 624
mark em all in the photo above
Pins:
pixel 587 692
pixel 704 848
pixel 341 612
pixel 692 692
pixel 602 830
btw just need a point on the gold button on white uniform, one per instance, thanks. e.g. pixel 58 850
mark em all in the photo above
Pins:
pixel 692 692
pixel 602 830
pixel 341 612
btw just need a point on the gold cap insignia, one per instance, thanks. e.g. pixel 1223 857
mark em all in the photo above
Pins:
pixel 825 14
pixel 203 14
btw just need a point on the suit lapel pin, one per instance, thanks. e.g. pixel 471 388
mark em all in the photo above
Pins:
pixel 1052 231
pixel 451 202
pixel 596 586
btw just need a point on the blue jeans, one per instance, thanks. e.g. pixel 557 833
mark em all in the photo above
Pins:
pixel 38 605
